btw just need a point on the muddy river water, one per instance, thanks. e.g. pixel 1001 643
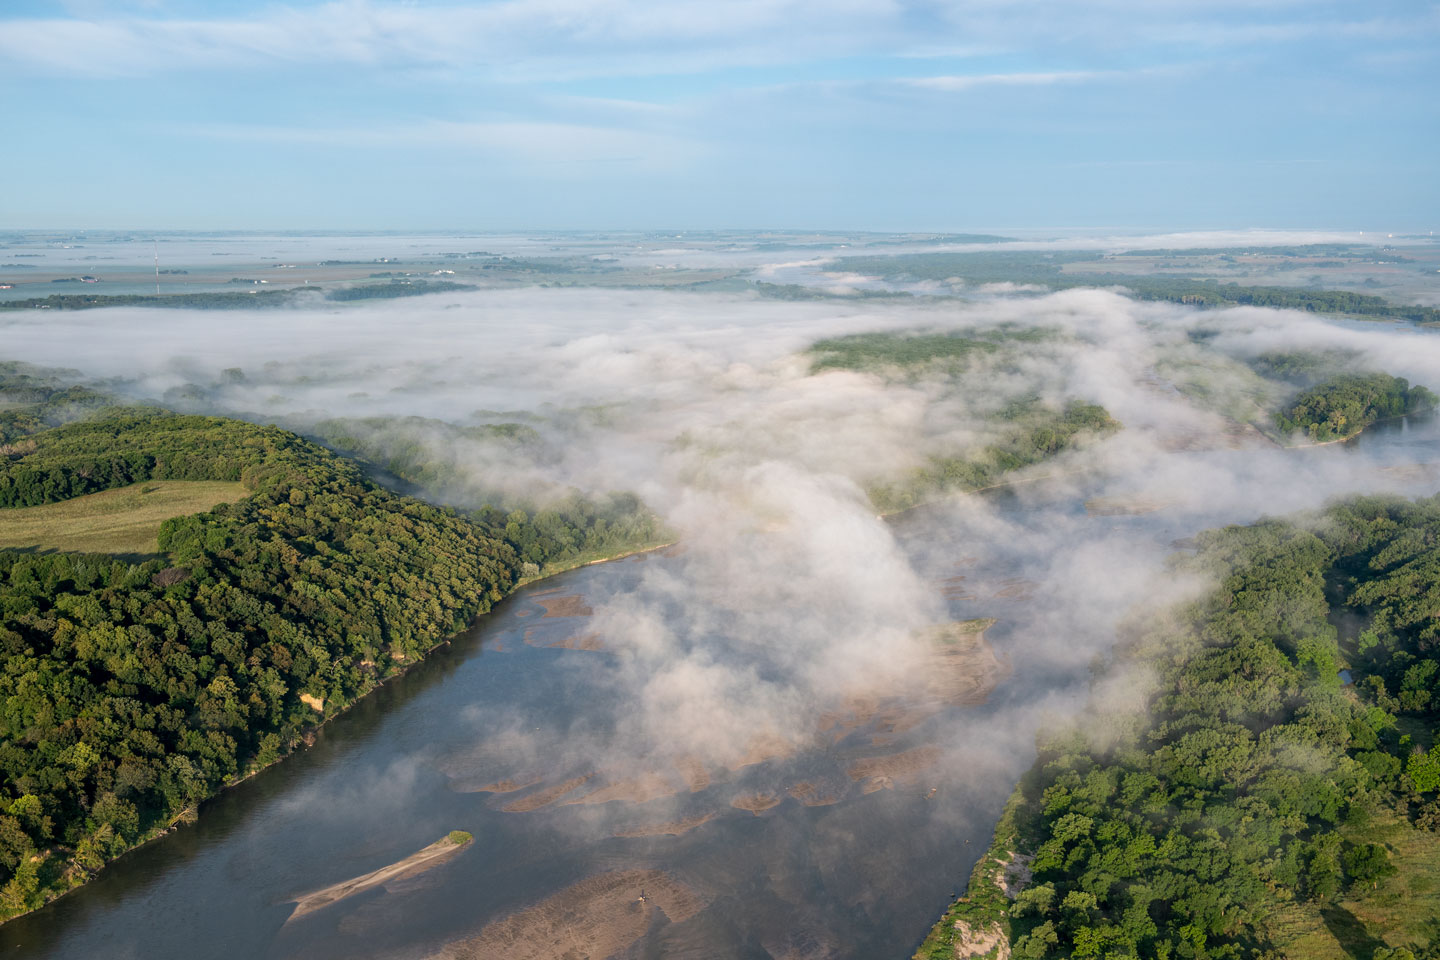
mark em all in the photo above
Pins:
pixel 848 847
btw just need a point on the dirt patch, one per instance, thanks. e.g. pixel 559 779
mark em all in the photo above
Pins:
pixel 956 588
pixel 413 865
pixel 756 803
pixel 1016 588
pixel 881 773
pixel 697 778
pixel 582 641
pixel 596 918
pixel 545 797
pixel 814 795
pixel 762 748
pixel 673 828
pixel 959 669
pixel 1014 874
pixel 313 702
pixel 975 942
pixel 507 785
pixel 570 605
pixel 962 668
pixel 641 789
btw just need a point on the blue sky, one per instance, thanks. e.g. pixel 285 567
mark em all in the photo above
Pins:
pixel 596 114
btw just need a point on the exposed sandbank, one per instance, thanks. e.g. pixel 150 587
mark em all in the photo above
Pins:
pixel 594 919
pixel 694 772
pixel 570 605
pixel 507 785
pixel 882 772
pixel 814 795
pixel 545 797
pixel 672 828
pixel 417 863
pixel 641 789
pixel 756 803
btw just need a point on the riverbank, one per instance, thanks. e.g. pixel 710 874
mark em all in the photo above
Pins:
pixel 65 869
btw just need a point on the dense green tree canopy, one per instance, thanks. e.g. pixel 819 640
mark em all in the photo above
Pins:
pixel 1246 784
pixel 130 692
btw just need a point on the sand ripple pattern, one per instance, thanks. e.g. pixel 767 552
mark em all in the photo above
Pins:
pixel 594 919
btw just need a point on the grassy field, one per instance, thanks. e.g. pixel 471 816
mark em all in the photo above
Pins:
pixel 1398 911
pixel 122 521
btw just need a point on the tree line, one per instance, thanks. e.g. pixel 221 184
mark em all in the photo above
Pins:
pixel 131 692
pixel 1344 405
pixel 1254 783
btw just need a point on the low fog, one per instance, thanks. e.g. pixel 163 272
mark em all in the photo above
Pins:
pixel 793 589
pixel 788 597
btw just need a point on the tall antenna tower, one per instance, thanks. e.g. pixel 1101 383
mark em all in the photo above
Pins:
pixel 157 266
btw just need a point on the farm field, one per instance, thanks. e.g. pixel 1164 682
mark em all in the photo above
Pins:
pixel 122 521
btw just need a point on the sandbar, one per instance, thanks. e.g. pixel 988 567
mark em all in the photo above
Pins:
pixel 594 919
pixel 545 797
pixel 570 605
pixel 694 772
pixel 756 803
pixel 904 766
pixel 672 828
pixel 641 789
pixel 417 863
pixel 811 795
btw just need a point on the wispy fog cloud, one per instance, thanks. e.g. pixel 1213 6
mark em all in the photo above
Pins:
pixel 792 597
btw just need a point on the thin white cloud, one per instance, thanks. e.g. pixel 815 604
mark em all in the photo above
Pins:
pixel 558 39
pixel 525 142
pixel 958 83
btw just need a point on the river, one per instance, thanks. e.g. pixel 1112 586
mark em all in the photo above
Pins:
pixel 860 877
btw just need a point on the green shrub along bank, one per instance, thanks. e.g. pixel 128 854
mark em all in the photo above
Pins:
pixel 1257 808
pixel 131 692
pixel 1343 406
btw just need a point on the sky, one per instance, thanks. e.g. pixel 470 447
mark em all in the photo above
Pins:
pixel 702 114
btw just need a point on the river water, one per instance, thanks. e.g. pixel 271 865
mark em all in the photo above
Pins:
pixel 860 877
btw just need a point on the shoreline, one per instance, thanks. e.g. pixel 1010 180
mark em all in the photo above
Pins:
pixel 1348 437
pixel 305 738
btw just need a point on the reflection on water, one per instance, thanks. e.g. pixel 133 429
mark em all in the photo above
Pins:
pixel 846 845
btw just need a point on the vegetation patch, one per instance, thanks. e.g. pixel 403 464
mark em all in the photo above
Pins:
pixel 1343 406
pixel 1032 433
pixel 1255 807
pixel 134 691
pixel 910 350
pixel 123 521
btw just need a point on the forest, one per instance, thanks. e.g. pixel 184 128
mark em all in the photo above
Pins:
pixel 919 350
pixel 556 527
pixel 133 691
pixel 1029 433
pixel 1344 405
pixel 1260 805
pixel 234 300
